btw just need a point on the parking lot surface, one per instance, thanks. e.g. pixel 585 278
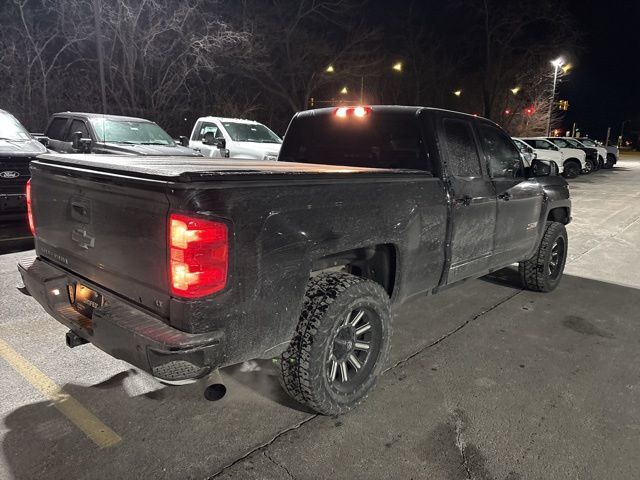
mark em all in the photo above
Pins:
pixel 486 381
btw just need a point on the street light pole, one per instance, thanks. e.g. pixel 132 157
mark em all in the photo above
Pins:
pixel 557 63
pixel 621 133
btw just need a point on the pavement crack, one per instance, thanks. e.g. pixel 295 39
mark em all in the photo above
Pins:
pixel 278 464
pixel 461 448
pixel 455 330
pixel 262 446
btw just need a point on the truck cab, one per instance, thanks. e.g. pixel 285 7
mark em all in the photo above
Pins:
pixel 218 137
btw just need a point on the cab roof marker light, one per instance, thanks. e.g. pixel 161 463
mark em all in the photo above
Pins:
pixel 359 111
pixel 341 112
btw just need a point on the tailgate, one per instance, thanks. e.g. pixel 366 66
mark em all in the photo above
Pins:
pixel 109 230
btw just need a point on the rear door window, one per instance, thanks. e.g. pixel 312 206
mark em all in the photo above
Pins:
pixel 463 159
pixel 56 129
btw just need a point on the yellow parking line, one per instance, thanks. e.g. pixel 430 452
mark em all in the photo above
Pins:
pixel 82 418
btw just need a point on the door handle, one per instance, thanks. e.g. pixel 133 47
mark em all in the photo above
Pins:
pixel 506 196
pixel 465 200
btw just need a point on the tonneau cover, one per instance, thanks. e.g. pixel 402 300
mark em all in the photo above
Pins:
pixel 186 169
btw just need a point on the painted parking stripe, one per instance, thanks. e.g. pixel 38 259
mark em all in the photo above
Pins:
pixel 82 418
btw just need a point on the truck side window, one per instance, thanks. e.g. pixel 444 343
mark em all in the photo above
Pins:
pixel 208 128
pixel 463 156
pixel 77 126
pixel 503 157
pixel 56 129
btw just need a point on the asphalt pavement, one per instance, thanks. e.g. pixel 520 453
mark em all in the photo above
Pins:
pixel 486 381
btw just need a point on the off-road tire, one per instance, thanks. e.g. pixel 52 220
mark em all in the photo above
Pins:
pixel 329 299
pixel 534 272
pixel 571 169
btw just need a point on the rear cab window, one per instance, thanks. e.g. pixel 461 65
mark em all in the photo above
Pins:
pixel 380 139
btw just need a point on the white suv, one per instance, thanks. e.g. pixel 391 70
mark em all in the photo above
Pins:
pixel 218 137
pixel 544 150
pixel 574 160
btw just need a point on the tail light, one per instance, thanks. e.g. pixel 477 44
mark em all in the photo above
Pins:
pixel 32 226
pixel 199 257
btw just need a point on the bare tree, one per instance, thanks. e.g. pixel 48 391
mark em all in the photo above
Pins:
pixel 296 40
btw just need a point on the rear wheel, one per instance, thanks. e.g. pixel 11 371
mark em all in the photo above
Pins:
pixel 571 169
pixel 611 160
pixel 341 343
pixel 543 271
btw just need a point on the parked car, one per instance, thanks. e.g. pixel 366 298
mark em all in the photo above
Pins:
pixel 545 151
pixel 236 138
pixel 591 153
pixel 17 149
pixel 76 132
pixel 609 155
pixel 601 151
pixel 192 265
pixel 574 160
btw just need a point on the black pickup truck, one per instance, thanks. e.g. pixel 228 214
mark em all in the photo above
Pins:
pixel 80 132
pixel 17 149
pixel 180 267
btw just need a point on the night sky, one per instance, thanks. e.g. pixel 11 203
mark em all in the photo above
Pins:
pixel 604 87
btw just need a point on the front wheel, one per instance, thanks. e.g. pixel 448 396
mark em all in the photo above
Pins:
pixel 588 167
pixel 341 343
pixel 571 169
pixel 543 271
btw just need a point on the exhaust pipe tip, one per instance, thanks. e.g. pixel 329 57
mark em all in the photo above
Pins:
pixel 74 340
pixel 215 392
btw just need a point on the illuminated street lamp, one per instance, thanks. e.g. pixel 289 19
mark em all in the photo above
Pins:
pixel 457 93
pixel 557 63
pixel 515 90
pixel 344 90
pixel 330 69
pixel 397 67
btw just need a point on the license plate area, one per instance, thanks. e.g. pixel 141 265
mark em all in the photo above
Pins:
pixel 84 300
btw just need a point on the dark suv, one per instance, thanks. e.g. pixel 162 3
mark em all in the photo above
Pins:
pixel 17 149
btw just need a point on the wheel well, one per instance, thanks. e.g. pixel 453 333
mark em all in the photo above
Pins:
pixel 572 160
pixel 377 263
pixel 560 214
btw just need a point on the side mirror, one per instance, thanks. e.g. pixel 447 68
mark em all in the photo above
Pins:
pixel 82 145
pixel 542 169
pixel 184 141
pixel 43 140
pixel 221 143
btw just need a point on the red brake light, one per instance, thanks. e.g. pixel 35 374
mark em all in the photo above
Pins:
pixel 32 226
pixel 199 257
pixel 359 111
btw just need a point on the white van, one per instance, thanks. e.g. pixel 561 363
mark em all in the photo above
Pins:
pixel 236 138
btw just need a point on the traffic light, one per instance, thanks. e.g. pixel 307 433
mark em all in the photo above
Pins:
pixel 530 111
pixel 312 102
